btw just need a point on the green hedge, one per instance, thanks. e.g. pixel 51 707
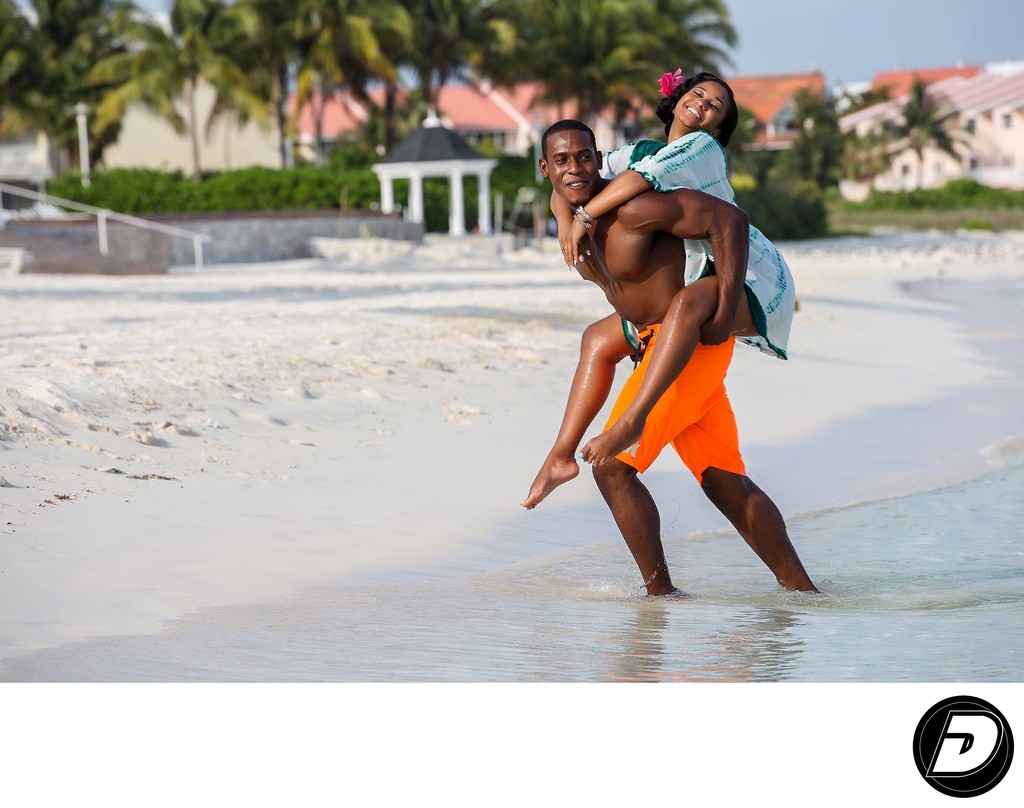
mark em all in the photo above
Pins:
pixel 780 213
pixel 954 195
pixel 342 184
pixel 140 191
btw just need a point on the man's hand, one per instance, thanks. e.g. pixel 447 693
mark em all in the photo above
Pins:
pixel 717 329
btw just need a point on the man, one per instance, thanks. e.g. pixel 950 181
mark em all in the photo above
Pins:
pixel 639 263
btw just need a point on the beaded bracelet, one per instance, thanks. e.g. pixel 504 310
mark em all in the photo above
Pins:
pixel 587 225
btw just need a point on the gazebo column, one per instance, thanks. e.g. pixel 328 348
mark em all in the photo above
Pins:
pixel 484 203
pixel 415 196
pixel 387 194
pixel 457 208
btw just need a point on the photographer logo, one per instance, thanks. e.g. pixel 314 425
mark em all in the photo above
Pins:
pixel 963 746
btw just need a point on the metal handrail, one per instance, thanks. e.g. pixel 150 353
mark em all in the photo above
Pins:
pixel 102 214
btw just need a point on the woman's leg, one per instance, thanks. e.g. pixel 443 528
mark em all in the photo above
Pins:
pixel 603 346
pixel 677 339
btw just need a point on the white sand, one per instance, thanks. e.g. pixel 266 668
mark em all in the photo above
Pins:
pixel 173 443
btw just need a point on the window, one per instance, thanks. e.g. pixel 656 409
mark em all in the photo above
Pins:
pixel 969 125
pixel 1008 161
pixel 1008 121
pixel 905 170
pixel 974 163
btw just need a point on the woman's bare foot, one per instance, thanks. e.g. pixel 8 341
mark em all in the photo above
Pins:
pixel 620 436
pixel 553 473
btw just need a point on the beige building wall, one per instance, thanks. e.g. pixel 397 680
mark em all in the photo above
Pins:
pixel 148 141
pixel 991 151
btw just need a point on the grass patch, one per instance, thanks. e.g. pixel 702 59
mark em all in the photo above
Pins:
pixel 846 219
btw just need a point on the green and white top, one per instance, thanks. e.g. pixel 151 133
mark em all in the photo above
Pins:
pixel 697 161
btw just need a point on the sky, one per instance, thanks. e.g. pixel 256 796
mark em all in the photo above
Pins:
pixel 851 40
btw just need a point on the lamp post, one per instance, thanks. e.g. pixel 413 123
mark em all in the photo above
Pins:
pixel 83 141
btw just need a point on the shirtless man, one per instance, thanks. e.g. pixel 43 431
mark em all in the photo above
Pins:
pixel 639 264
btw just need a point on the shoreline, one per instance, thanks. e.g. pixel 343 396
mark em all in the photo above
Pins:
pixel 306 449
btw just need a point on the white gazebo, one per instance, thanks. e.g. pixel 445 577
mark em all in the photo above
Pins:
pixel 434 151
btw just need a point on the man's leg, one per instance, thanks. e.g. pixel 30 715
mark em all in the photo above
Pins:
pixel 637 516
pixel 603 346
pixel 760 524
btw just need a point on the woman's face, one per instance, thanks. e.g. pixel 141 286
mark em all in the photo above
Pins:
pixel 703 106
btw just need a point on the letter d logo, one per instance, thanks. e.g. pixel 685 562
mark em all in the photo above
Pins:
pixel 963 746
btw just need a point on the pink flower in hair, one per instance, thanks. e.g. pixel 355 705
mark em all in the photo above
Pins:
pixel 670 82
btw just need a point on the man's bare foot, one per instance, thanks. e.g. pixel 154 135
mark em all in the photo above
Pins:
pixel 552 474
pixel 673 593
pixel 620 436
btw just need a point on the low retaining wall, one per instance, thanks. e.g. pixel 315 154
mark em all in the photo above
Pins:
pixel 237 237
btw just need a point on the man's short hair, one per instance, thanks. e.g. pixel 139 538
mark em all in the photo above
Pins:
pixel 566 125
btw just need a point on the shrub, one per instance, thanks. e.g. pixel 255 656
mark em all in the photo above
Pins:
pixel 347 183
pixel 954 195
pixel 977 224
pixel 784 214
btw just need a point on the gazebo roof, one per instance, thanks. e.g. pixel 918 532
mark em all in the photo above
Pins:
pixel 433 142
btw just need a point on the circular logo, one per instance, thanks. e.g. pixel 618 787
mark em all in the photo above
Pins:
pixel 963 746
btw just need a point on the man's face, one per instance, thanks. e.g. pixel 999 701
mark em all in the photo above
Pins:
pixel 573 165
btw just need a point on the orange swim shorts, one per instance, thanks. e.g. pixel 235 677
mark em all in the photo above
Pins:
pixel 694 415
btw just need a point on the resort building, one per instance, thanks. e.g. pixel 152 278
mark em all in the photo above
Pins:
pixel 987 105
pixel 772 102
pixel 148 141
pixel 25 160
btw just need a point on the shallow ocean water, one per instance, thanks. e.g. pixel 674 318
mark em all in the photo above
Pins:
pixel 927 587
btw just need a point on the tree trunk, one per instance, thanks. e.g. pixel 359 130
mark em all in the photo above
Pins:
pixel 228 120
pixel 280 106
pixel 390 93
pixel 193 128
pixel 318 122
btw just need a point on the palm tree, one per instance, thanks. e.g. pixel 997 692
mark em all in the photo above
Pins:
pixel 817 154
pixel 592 52
pixel 692 34
pixel 866 156
pixel 44 68
pixel 165 65
pixel 393 26
pixel 267 57
pixel 923 124
pixel 339 44
pixel 457 39
pixel 17 67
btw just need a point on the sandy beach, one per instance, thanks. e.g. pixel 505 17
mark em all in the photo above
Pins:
pixel 177 443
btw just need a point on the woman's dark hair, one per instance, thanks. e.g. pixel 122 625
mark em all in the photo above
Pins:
pixel 667 107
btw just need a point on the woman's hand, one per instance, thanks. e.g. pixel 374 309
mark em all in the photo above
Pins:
pixel 571 242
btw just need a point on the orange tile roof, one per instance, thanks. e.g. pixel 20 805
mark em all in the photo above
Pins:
pixel 461 106
pixel 466 107
pixel 341 113
pixel 764 96
pixel 899 82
